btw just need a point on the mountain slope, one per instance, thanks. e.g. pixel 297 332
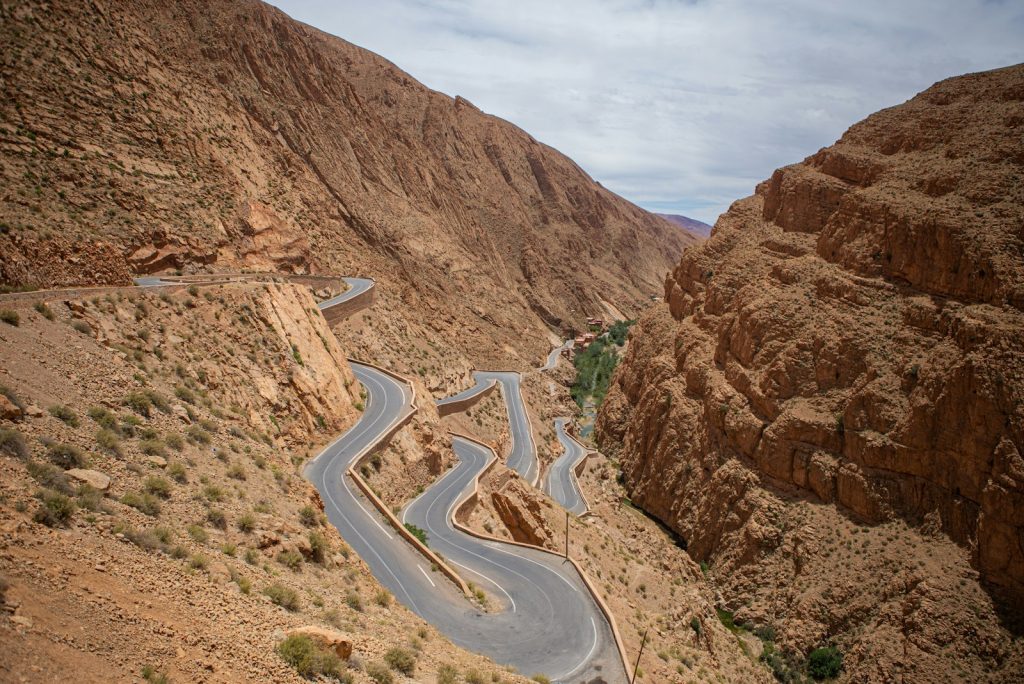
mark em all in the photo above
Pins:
pixel 691 225
pixel 833 391
pixel 144 136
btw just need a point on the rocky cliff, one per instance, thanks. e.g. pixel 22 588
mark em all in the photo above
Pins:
pixel 145 136
pixel 851 335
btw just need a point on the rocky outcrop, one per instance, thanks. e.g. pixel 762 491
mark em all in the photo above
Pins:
pixel 520 511
pixel 852 334
pixel 337 642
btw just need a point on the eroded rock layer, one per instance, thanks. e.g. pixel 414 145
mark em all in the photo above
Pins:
pixel 853 335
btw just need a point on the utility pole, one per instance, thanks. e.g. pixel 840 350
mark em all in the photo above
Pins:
pixel 636 667
pixel 567 535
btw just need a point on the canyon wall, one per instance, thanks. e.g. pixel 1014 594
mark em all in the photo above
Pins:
pixel 853 335
pixel 145 136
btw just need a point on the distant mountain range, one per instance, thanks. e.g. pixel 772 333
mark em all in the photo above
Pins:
pixel 692 225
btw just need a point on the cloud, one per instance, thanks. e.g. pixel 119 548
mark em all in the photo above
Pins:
pixel 680 106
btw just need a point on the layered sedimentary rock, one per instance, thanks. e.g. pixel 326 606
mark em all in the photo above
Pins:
pixel 851 334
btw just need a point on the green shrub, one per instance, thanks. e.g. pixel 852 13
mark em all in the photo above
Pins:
pixel 216 517
pixel 246 523
pixel 290 559
pixel 213 493
pixel 174 441
pixel 143 502
pixel 13 444
pixel 185 394
pixel 105 418
pixel 158 486
pixel 45 310
pixel 199 562
pixel 309 516
pixel 143 401
pixel 89 498
pixel 108 441
pixel 81 326
pixel 55 509
pixel 151 675
pixel 65 414
pixel 354 601
pixel 446 674
pixel 474 677
pixel 283 596
pixel 198 435
pixel 320 547
pixel 382 598
pixel 308 658
pixel 825 662
pixel 380 673
pixel 417 532
pixel 198 534
pixel 401 660
pixel 66 456
pixel 49 476
pixel 144 540
pixel 177 472
pixel 152 447
pixel 541 679
pixel 10 317
pixel 237 472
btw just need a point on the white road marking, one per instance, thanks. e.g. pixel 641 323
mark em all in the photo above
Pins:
pixel 500 588
pixel 426 575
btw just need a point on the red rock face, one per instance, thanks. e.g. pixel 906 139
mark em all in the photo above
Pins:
pixel 853 332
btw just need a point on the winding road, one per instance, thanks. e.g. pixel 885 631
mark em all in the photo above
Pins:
pixel 541 617
pixel 561 483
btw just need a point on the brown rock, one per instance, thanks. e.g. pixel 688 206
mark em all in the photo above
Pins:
pixel 93 478
pixel 340 643
pixel 8 410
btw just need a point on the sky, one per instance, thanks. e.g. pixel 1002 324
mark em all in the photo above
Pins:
pixel 681 106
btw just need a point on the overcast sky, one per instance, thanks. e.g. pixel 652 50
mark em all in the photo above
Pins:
pixel 680 106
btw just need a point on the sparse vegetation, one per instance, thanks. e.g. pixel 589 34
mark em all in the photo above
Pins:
pixel 65 414
pixel 308 658
pixel 246 523
pixel 290 559
pixel 10 317
pixel 66 456
pixel 44 310
pixel 825 662
pixel 143 502
pixel 380 673
pixel 55 509
pixel 417 532
pixel 401 660
pixel 157 486
pixel 13 444
pixel 283 596
pixel 309 516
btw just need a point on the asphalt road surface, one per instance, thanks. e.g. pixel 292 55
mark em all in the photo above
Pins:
pixel 561 484
pixel 522 456
pixel 356 286
pixel 542 619
pixel 555 354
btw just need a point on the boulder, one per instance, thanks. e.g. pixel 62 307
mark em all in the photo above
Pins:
pixel 340 643
pixel 93 478
pixel 9 410
pixel 157 461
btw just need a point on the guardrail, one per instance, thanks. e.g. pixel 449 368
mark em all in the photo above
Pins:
pixel 459 405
